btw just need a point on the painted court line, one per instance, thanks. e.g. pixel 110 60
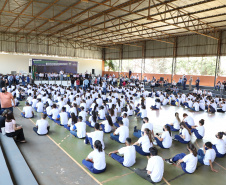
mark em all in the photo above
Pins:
pixel 115 177
pixel 220 165
pixel 69 156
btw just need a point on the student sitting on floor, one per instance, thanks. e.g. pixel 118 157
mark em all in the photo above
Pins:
pixel 42 126
pixel 121 133
pixel 107 125
pixel 185 135
pixel 143 112
pixel 27 111
pixel 175 126
pixel 219 145
pixel 125 121
pixel 188 162
pixel 39 106
pixel 48 109
pixel 62 118
pixel 157 105
pixel 207 155
pixel 96 135
pixel 195 106
pixel 146 124
pixel 129 154
pixel 144 143
pixel 101 113
pixel 72 121
pixel 54 112
pixel 83 114
pixel 222 107
pixel 155 167
pixel 29 99
pixel 92 119
pixel 212 107
pixel 79 129
pixel 164 140
pixel 199 131
pixel 34 102
pixel 95 161
pixel 188 120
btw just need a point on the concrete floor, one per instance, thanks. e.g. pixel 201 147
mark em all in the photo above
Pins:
pixel 57 158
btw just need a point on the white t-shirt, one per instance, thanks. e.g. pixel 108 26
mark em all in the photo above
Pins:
pixel 39 106
pixel 91 121
pixel 189 120
pixel 42 126
pixel 145 143
pixel 63 118
pixel 83 114
pixel 209 155
pixel 156 167
pixel 123 132
pixel 167 139
pixel 28 111
pixel 101 113
pixel 201 130
pixel 99 162
pixel 34 102
pixel 107 127
pixel 143 113
pixel 191 162
pixel 220 145
pixel 129 153
pixel 186 134
pixel 125 122
pixel 97 135
pixel 54 113
pixel 147 125
pixel 81 129
pixel 176 124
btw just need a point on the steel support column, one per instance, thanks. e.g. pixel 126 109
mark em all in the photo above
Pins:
pixel 120 58
pixel 174 58
pixel 143 58
pixel 218 57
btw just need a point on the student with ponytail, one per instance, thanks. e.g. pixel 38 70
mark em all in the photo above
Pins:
pixel 92 119
pixel 199 131
pixel 95 161
pixel 164 140
pixel 144 143
pixel 175 126
pixel 219 145
pixel 188 162
pixel 107 125
pixel 185 135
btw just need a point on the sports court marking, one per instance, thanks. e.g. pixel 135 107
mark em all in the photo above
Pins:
pixel 115 177
pixel 68 155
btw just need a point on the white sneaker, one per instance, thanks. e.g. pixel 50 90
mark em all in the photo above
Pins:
pixel 155 143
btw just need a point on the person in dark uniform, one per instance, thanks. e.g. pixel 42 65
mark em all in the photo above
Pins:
pixel 184 84
pixel 130 73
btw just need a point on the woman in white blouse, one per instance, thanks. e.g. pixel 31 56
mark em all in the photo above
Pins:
pixel 164 140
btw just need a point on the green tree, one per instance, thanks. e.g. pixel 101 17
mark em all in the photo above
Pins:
pixel 110 65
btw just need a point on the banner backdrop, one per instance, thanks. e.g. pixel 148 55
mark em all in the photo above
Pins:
pixel 50 66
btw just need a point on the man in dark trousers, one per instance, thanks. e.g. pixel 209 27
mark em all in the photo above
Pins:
pixel 184 84
pixel 2 83
pixel 197 83
pixel 130 73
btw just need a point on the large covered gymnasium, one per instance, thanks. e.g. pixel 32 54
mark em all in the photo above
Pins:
pixel 112 92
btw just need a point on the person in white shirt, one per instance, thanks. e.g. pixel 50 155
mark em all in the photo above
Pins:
pixel 96 135
pixel 92 119
pixel 62 118
pixel 219 145
pixel 185 135
pixel 42 126
pixel 212 108
pixel 157 105
pixel 195 106
pixel 79 129
pixel 188 162
pixel 199 131
pixel 71 121
pixel 125 121
pixel 222 107
pixel 138 133
pixel 144 143
pixel 39 106
pixel 54 112
pixel 175 126
pixel 120 133
pixel 83 114
pixel 29 99
pixel 101 113
pixel 188 120
pixel 129 154
pixel 107 125
pixel 207 155
pixel 143 112
pixel 27 111
pixel 164 140
pixel 155 167
pixel 95 161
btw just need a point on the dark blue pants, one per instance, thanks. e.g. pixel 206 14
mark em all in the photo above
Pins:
pixel 217 153
pixel 89 124
pixel 103 128
pixel 90 167
pixel 89 140
pixel 140 151
pixel 116 124
pixel 118 158
pixel 172 128
pixel 180 139
pixel 115 137
pixel 196 133
pixel 67 127
pixel 188 125
pixel 201 156
pixel 154 107
pixel 137 134
pixel 159 143
pixel 183 164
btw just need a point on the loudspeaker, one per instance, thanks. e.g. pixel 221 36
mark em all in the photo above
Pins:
pixel 93 71
pixel 29 69
pixel 161 78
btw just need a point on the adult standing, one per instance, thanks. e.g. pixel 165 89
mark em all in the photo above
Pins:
pixel 23 80
pixel 6 99
pixel 190 83
pixel 72 82
pixel 130 73
pixel 184 82
pixel 61 75
pixel 2 83
pixel 104 85
pixel 197 83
